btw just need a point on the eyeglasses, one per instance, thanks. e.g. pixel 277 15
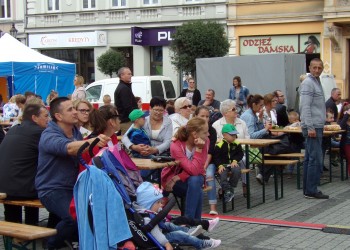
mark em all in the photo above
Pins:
pixel 158 110
pixel 234 109
pixel 84 111
pixel 186 106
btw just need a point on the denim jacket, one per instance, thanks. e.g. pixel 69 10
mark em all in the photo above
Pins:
pixel 256 128
pixel 243 93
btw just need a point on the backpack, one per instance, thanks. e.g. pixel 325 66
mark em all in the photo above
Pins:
pixel 214 116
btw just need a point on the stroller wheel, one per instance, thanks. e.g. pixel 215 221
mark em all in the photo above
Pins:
pixel 220 193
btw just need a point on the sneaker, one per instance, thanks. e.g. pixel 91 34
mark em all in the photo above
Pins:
pixel 213 223
pixel 318 195
pixel 209 244
pixel 228 196
pixel 213 212
pixel 195 231
pixel 259 178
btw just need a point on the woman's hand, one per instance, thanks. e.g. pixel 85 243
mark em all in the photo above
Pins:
pixel 169 186
pixel 199 143
pixel 168 246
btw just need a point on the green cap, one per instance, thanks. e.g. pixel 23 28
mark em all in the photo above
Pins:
pixel 229 129
pixel 136 114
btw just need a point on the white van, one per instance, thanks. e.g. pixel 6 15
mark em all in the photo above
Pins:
pixel 145 87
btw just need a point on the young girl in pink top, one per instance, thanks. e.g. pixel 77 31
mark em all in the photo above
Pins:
pixel 190 148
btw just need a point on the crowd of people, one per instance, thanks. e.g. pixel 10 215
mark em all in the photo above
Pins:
pixel 200 134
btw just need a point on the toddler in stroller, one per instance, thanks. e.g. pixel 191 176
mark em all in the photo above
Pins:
pixel 149 200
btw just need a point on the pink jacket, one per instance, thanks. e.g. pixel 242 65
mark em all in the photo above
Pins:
pixel 186 168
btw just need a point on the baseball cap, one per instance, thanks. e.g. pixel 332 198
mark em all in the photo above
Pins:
pixel 136 114
pixel 229 129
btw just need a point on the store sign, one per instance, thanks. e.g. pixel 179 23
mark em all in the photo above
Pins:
pixel 258 45
pixel 151 37
pixel 255 45
pixel 68 40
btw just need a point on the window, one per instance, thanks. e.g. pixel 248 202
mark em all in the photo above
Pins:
pixel 150 2
pixel 93 94
pixel 53 5
pixel 5 8
pixel 89 4
pixel 156 88
pixel 118 3
pixel 169 89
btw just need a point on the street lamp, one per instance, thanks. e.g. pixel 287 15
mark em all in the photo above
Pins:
pixel 13 31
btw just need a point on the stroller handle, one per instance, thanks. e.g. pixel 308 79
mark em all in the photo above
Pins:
pixel 93 144
pixel 160 216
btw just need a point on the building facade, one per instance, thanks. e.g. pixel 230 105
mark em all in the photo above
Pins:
pixel 80 31
pixel 317 28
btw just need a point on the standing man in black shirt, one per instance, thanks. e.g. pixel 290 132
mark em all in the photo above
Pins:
pixel 124 99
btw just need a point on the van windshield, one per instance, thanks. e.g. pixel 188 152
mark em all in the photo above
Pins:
pixel 169 89
pixel 93 94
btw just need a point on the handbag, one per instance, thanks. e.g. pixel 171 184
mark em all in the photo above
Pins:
pixel 283 147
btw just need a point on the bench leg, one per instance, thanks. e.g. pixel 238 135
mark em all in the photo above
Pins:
pixel 9 244
pixel 275 182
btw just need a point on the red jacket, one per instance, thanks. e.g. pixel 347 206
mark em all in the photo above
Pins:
pixel 187 167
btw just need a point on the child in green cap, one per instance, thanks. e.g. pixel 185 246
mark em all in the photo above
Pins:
pixel 137 135
pixel 227 154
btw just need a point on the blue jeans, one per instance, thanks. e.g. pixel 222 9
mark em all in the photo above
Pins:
pixel 313 163
pixel 57 202
pixel 210 178
pixel 192 190
pixel 178 234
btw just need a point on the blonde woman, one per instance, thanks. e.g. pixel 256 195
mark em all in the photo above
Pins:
pixel 83 108
pixel 79 92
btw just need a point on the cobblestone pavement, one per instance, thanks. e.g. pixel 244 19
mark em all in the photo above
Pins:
pixel 293 207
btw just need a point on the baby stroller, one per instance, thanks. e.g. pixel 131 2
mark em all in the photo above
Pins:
pixel 106 164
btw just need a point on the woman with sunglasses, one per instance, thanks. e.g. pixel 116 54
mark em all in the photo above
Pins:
pixel 182 114
pixel 230 115
pixel 83 108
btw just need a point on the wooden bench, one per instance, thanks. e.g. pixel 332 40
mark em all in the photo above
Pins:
pixel 26 234
pixel 25 203
pixel 337 151
pixel 299 156
pixel 3 196
pixel 275 164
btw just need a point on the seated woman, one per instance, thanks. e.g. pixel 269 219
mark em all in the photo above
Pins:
pixel 183 113
pixel 83 108
pixel 257 129
pixel 158 128
pixel 190 148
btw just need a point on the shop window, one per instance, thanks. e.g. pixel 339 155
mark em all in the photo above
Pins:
pixel 89 4
pixel 118 3
pixel 150 2
pixel 156 60
pixel 5 8
pixel 156 88
pixel 53 5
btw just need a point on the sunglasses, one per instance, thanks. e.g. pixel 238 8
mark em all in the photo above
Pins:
pixel 234 109
pixel 186 106
pixel 84 111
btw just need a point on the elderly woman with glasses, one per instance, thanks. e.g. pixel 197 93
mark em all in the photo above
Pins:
pixel 229 111
pixel 83 109
pixel 182 114
pixel 159 129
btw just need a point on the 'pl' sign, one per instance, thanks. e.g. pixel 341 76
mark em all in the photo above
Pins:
pixel 151 37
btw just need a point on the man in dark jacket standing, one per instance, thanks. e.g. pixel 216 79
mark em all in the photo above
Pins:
pixel 124 99
pixel 19 160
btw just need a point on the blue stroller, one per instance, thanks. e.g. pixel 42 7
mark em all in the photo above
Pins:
pixel 107 224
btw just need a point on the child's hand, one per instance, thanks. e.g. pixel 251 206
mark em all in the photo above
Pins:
pixel 199 143
pixel 168 246
pixel 234 165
